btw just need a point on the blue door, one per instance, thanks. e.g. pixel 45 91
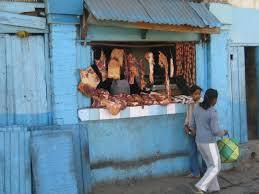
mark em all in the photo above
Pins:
pixel 257 90
pixel 24 81
pixel 238 91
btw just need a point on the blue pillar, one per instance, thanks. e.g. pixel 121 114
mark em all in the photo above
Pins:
pixel 64 71
pixel 202 65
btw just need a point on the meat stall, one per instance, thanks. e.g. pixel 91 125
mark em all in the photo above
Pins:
pixel 123 76
pixel 139 60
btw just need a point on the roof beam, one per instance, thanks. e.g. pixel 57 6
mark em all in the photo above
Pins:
pixel 149 26
pixel 19 7
pixel 13 19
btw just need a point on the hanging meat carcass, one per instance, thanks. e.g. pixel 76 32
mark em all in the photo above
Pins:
pixel 114 69
pixel 89 81
pixel 189 60
pixel 115 64
pixel 185 62
pixel 133 70
pixel 142 75
pixel 118 54
pixel 150 58
pixel 89 77
pixel 101 64
pixel 179 59
pixel 126 68
pixel 171 67
pixel 164 63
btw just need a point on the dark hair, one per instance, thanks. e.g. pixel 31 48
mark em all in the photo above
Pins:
pixel 97 53
pixel 194 88
pixel 181 84
pixel 209 96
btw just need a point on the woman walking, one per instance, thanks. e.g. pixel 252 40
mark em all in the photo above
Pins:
pixel 205 125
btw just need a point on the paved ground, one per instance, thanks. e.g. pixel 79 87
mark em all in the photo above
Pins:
pixel 242 180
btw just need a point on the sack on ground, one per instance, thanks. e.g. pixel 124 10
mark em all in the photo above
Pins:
pixel 228 150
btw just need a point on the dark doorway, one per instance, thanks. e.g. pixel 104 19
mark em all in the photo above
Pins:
pixel 250 70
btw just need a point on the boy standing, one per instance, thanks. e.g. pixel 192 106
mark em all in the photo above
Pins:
pixel 197 170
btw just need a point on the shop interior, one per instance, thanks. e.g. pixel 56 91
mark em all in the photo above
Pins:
pixel 137 74
pixel 250 71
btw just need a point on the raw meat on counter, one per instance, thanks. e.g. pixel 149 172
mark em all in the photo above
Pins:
pixel 160 99
pixel 86 89
pixel 114 104
pixel 182 99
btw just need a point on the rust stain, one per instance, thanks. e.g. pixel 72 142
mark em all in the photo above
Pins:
pixel 137 163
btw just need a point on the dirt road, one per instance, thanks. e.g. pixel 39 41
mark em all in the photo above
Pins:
pixel 241 180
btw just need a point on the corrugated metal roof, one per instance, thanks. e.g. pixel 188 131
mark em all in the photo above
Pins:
pixel 173 12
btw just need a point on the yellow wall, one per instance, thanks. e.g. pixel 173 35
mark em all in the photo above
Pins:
pixel 237 3
pixel 245 3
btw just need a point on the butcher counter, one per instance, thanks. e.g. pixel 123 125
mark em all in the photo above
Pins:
pixel 91 114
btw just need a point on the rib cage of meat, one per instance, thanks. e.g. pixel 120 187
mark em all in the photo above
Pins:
pixel 150 58
pixel 114 69
pixel 126 68
pixel 133 70
pixel 163 62
pixel 101 64
pixel 118 54
pixel 171 68
pixel 142 75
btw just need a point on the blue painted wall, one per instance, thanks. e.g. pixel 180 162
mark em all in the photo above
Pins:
pixel 67 7
pixel 242 26
pixel 159 141
pixel 228 77
pixel 238 90
pixel 242 32
pixel 202 65
pixel 25 97
pixel 219 77
pixel 102 33
pixel 148 146
pixel 127 148
pixel 80 152
pixel 15 165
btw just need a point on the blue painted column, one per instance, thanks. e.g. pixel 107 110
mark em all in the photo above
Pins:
pixel 257 90
pixel 64 71
pixel 83 61
pixel 219 76
pixel 202 65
